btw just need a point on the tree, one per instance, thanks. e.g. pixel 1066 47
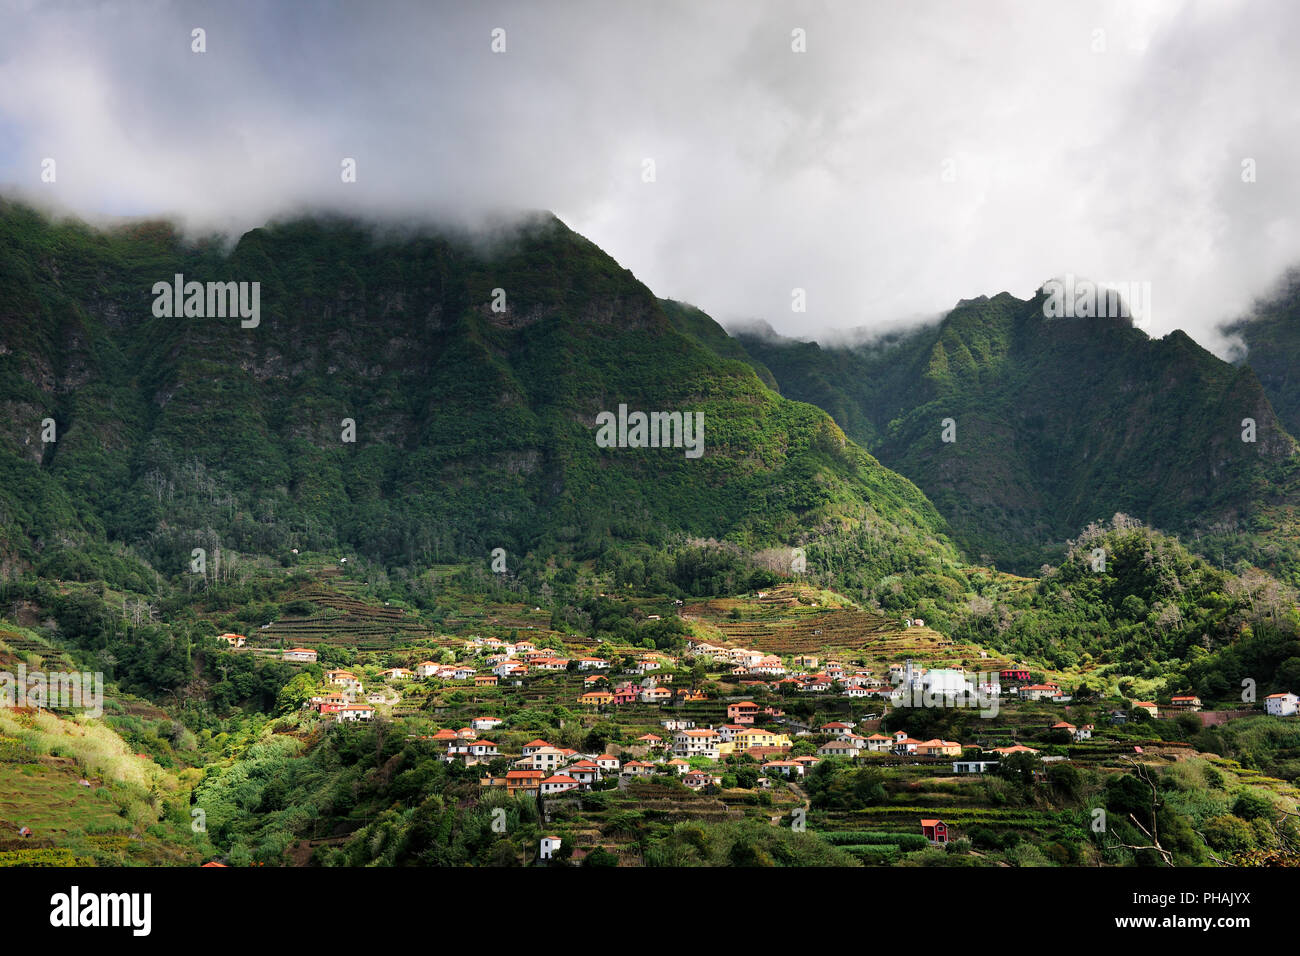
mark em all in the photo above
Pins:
pixel 1064 779
pixel 1228 834
pixel 1250 805
pixel 600 857
pixel 1021 768
pixel 294 694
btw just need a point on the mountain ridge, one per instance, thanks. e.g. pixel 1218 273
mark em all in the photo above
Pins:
pixel 1041 465
pixel 474 426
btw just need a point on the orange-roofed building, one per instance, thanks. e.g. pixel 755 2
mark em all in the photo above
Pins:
pixel 934 830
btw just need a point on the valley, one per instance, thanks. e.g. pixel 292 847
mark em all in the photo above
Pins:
pixel 381 580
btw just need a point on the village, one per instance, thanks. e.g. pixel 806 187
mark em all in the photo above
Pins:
pixel 747 688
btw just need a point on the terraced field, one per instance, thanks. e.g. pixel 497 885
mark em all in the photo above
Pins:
pixel 779 624
pixel 345 620
pixel 499 620
pixel 46 797
pixel 20 643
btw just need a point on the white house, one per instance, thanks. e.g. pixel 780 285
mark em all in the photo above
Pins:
pixel 699 779
pixel 345 679
pixel 838 748
pixel 486 723
pixel 973 766
pixel 1281 705
pixel 696 743
pixel 355 712
pixel 904 745
pixel 945 682
pixel 770 666
pixel 559 783
pixel 584 771
pixel 549 845
pixel 426 669
pixel 545 758
pixel 1039 692
pixel 301 655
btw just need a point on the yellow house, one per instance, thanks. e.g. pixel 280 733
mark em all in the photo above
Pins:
pixel 938 748
pixel 753 737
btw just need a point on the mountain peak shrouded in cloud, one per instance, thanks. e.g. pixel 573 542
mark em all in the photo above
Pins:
pixel 887 165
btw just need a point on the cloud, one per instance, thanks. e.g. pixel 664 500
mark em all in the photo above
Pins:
pixel 914 155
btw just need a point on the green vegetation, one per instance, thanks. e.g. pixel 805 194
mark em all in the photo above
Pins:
pixel 1062 422
pixel 475 432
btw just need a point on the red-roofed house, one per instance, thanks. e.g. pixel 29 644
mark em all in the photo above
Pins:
pixel 836 728
pixel 742 712
pixel 584 771
pixel 936 831
pixel 699 779
pixel 558 784
pixel 1281 705
pixel 353 712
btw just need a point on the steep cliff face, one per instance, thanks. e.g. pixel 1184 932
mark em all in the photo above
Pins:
pixel 414 396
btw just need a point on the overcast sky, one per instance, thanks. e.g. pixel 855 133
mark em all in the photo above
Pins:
pixel 917 153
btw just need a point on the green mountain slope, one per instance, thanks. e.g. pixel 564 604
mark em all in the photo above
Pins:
pixel 1059 422
pixel 474 428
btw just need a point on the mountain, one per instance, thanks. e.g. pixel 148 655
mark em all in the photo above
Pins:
pixel 1271 335
pixel 1057 423
pixel 471 369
